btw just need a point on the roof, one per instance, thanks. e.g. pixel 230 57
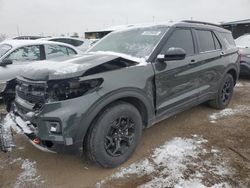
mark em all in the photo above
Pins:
pixel 167 24
pixel 247 21
pixel 124 27
pixel 51 38
pixel 20 43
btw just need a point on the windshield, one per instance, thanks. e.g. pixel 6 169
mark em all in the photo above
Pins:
pixel 4 48
pixel 139 42
pixel 243 41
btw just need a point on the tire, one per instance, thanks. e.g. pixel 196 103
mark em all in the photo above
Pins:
pixel 224 94
pixel 120 124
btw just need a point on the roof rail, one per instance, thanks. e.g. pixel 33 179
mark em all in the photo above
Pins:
pixel 200 22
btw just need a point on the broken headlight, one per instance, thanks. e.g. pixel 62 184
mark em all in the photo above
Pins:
pixel 68 89
pixel 2 86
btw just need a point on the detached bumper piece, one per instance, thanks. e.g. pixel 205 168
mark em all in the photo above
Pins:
pixel 6 139
pixel 29 131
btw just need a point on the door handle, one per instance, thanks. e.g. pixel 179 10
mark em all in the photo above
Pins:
pixel 192 61
pixel 222 54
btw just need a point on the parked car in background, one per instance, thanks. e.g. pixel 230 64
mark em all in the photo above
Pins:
pixel 15 54
pixel 80 44
pixel 131 79
pixel 27 37
pixel 243 43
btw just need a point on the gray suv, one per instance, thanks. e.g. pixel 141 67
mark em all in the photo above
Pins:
pixel 130 80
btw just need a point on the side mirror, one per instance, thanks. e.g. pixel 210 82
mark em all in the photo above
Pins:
pixel 172 54
pixel 6 62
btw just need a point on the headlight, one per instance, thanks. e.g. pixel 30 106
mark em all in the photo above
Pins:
pixel 68 89
pixel 2 86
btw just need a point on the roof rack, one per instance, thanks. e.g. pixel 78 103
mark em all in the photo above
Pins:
pixel 200 22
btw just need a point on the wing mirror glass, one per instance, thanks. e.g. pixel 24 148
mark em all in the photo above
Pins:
pixel 172 54
pixel 6 62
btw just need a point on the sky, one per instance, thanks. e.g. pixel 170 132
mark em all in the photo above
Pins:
pixel 55 17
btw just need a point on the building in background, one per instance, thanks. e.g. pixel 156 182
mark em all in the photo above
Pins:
pixel 98 34
pixel 238 28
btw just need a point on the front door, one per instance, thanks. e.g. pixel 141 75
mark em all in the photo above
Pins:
pixel 176 81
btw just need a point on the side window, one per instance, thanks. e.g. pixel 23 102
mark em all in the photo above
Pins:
pixel 61 40
pixel 54 51
pixel 28 53
pixel 71 51
pixel 77 42
pixel 181 38
pixel 217 43
pixel 205 40
pixel 228 40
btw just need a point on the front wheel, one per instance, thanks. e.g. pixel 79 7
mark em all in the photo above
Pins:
pixel 224 94
pixel 114 135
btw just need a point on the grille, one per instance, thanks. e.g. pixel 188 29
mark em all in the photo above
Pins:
pixel 32 92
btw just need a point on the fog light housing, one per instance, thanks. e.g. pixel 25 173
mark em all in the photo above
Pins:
pixel 2 86
pixel 55 127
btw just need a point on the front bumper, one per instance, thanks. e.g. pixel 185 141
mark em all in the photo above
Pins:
pixel 29 131
pixel 245 66
pixel 70 114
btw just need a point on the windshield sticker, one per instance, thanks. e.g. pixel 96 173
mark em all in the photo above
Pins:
pixel 151 33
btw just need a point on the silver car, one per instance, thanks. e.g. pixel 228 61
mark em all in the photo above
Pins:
pixel 243 43
pixel 15 54
pixel 80 44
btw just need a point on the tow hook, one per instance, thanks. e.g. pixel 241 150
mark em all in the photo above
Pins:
pixel 6 136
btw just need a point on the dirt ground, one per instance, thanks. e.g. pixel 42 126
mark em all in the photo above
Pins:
pixel 229 133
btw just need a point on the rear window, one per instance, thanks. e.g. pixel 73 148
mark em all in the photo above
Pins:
pixel 206 41
pixel 228 40
pixel 72 42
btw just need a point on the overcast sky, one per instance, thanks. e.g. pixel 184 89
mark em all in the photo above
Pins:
pixel 51 17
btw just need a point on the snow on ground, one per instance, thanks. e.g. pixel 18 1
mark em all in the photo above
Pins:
pixel 7 124
pixel 177 163
pixel 241 84
pixel 29 175
pixel 228 112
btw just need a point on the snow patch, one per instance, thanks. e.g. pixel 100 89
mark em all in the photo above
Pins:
pixel 228 112
pixel 239 84
pixel 29 175
pixel 55 67
pixel 170 164
pixel 141 61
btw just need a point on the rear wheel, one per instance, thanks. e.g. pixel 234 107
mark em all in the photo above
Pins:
pixel 224 94
pixel 114 135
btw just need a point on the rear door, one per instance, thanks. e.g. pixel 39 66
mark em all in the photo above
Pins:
pixel 20 57
pixel 175 83
pixel 57 51
pixel 210 62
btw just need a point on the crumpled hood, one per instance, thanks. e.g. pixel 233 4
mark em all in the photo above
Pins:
pixel 74 67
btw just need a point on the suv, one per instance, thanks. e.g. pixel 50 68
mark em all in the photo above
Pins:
pixel 100 102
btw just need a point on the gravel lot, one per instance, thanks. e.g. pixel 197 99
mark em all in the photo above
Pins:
pixel 199 147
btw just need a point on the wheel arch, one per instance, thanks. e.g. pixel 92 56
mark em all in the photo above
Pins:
pixel 134 97
pixel 234 71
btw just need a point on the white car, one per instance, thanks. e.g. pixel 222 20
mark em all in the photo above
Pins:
pixel 80 44
pixel 15 54
pixel 243 43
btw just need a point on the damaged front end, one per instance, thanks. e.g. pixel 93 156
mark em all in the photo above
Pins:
pixel 30 103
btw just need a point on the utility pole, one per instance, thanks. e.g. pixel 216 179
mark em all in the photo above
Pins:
pixel 18 32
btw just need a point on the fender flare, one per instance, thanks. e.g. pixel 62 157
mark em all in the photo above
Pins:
pixel 109 98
